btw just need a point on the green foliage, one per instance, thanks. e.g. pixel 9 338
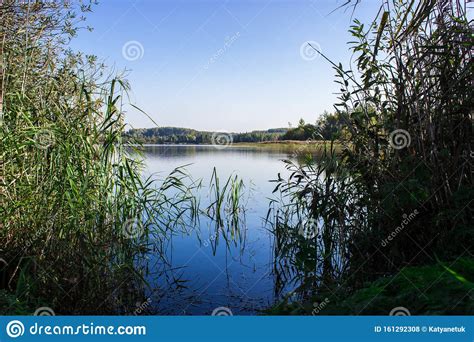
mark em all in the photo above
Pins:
pixel 416 89
pixel 400 192
pixel 423 290
pixel 328 127
pixel 10 305
pixel 76 215
pixel 313 219
pixel 176 135
pixel 226 210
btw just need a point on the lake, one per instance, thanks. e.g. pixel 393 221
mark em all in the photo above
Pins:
pixel 206 272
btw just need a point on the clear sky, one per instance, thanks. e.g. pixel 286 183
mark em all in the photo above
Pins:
pixel 224 65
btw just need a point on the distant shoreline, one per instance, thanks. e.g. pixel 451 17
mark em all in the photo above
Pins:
pixel 260 143
pixel 294 146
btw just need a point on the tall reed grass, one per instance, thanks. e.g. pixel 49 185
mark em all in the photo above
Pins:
pixel 407 144
pixel 76 213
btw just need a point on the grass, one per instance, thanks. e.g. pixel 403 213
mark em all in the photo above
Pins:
pixel 292 146
pixel 437 289
pixel 396 160
pixel 226 210
pixel 79 215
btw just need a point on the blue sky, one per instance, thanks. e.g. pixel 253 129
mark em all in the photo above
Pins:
pixel 223 65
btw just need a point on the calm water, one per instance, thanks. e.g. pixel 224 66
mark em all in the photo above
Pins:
pixel 237 277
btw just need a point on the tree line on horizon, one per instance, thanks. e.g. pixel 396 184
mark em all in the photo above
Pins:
pixel 328 127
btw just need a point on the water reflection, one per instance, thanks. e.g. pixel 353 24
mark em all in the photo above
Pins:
pixel 206 270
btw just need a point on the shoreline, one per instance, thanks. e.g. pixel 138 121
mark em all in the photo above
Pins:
pixel 251 144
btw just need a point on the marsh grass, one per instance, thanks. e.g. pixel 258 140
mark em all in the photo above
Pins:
pixel 77 217
pixel 312 219
pixel 79 213
pixel 414 79
pixel 226 210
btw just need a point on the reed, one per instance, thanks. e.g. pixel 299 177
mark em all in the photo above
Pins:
pixel 226 210
pixel 76 214
pixel 404 169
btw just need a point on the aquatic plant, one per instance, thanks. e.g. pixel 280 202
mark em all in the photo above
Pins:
pixel 226 210
pixel 407 105
pixel 76 214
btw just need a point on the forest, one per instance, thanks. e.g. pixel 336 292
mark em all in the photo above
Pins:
pixel 326 127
